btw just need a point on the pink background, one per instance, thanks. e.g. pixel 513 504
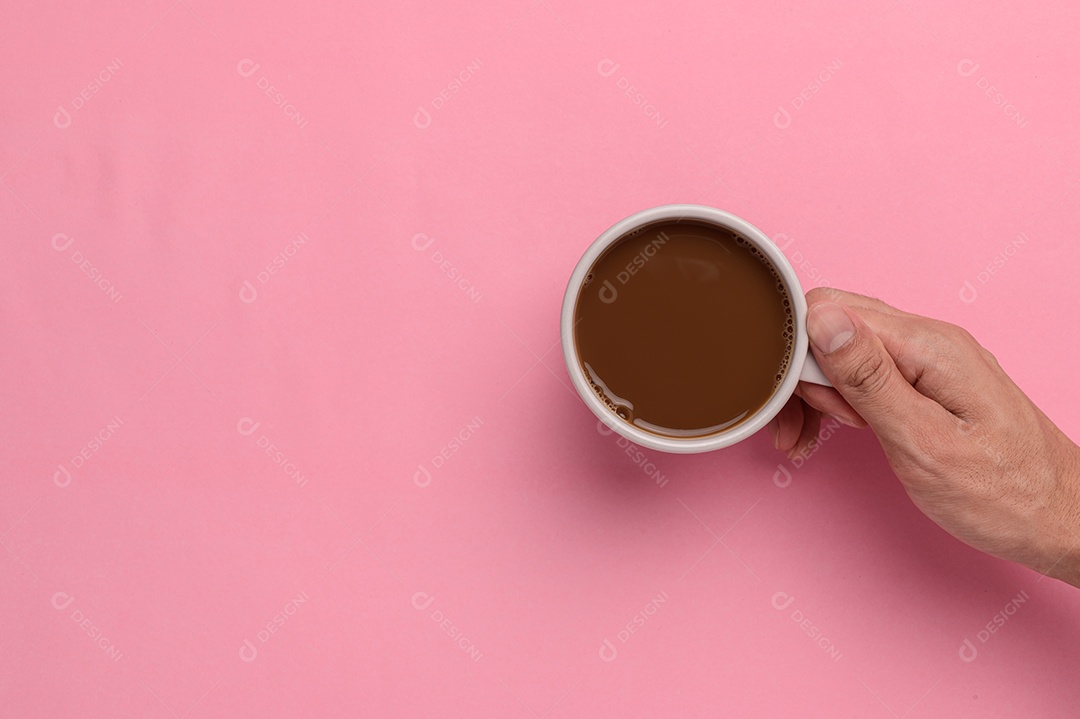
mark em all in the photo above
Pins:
pixel 364 360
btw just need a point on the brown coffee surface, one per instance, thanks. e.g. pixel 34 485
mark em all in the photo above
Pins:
pixel 683 329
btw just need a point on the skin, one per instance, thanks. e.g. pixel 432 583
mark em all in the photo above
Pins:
pixel 971 450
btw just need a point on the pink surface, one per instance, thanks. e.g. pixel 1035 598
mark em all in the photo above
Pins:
pixel 197 270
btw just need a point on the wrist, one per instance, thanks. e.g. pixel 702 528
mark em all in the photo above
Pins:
pixel 1061 551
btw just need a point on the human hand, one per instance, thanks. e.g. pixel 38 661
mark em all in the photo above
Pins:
pixel 972 451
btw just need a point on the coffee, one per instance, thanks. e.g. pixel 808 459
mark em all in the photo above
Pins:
pixel 683 328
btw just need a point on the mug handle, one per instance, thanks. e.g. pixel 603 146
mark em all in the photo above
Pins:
pixel 812 373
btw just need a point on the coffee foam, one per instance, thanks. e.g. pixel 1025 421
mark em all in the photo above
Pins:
pixel 789 322
pixel 624 410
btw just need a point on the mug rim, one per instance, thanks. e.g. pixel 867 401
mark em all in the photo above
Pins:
pixel 725 220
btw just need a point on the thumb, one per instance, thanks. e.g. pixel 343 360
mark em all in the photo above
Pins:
pixel 862 370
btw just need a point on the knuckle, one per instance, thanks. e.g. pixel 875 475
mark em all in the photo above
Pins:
pixel 943 330
pixel 954 333
pixel 959 338
pixel 950 345
pixel 989 357
pixel 868 375
pixel 964 337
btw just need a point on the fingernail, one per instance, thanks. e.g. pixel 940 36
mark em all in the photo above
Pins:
pixel 844 420
pixel 774 431
pixel 829 327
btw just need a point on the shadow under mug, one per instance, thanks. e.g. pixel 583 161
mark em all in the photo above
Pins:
pixel 802 366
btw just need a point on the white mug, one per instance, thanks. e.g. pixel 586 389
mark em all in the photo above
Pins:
pixel 802 366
